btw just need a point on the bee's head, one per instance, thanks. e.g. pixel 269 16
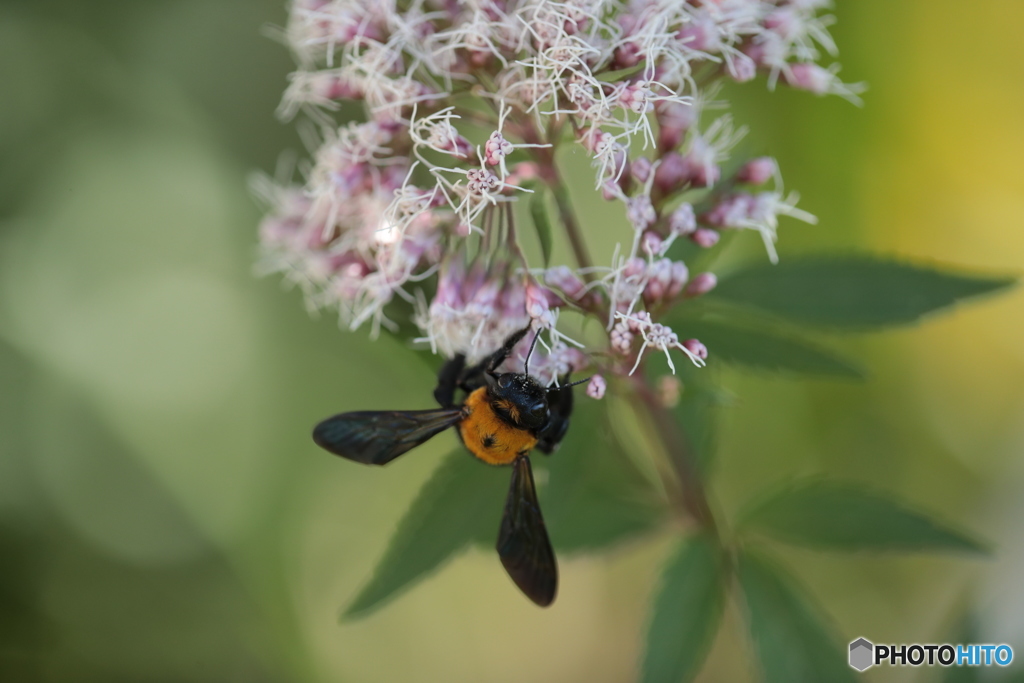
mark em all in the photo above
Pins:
pixel 518 399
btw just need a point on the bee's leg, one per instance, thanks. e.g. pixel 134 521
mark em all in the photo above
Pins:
pixel 560 405
pixel 448 379
pixel 473 376
pixel 499 356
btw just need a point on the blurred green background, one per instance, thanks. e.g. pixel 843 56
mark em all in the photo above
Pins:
pixel 164 515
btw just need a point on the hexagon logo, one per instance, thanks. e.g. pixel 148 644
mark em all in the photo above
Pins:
pixel 861 654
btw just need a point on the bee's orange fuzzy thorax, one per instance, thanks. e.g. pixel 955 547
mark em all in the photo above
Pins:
pixel 487 436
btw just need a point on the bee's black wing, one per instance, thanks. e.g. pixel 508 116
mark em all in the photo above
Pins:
pixel 378 437
pixel 523 543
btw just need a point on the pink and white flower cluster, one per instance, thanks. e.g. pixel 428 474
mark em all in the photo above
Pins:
pixel 413 211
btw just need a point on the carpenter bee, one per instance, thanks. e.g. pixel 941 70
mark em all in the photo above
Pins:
pixel 502 417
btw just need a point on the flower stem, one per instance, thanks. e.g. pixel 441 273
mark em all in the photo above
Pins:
pixel 548 171
pixel 568 217
pixel 681 456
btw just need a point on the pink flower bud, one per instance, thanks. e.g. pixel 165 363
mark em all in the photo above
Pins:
pixel 594 139
pixel 741 68
pixel 757 171
pixel 701 284
pixel 671 173
pixel 641 318
pixel 730 211
pixel 619 167
pixel 627 55
pixel 637 98
pixel 635 267
pixel 343 89
pixel 682 221
pixel 810 77
pixel 596 387
pixel 536 302
pixel 705 237
pixel 562 277
pixel 621 339
pixel 701 36
pixel 659 277
pixel 679 275
pixel 479 181
pixel 641 169
pixel 651 243
pixel 696 348
pixel 640 212
pixel 783 21
pixel 757 52
pixel 610 190
pixel 700 172
pixel 674 120
pixel 496 148
pixel 392 178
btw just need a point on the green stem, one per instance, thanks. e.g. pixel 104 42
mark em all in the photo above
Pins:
pixel 548 171
pixel 568 217
pixel 693 498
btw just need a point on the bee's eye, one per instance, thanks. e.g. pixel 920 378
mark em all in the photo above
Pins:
pixel 504 381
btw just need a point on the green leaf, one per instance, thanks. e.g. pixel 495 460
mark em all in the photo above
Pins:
pixel 792 639
pixel 767 349
pixel 594 495
pixel 462 497
pixel 542 222
pixel 852 291
pixel 686 614
pixel 846 516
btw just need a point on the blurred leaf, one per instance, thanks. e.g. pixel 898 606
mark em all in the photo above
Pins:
pixel 542 222
pixel 847 516
pixel 25 630
pixel 594 496
pixel 462 497
pixel 793 641
pixel 686 614
pixel 768 349
pixel 851 291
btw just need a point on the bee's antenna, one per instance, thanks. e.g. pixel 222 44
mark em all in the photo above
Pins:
pixel 572 384
pixel 526 365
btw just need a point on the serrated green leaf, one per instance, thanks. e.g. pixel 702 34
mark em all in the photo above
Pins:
pixel 859 292
pixel 594 495
pixel 767 349
pixel 791 637
pixel 846 516
pixel 542 222
pixel 462 497
pixel 686 613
